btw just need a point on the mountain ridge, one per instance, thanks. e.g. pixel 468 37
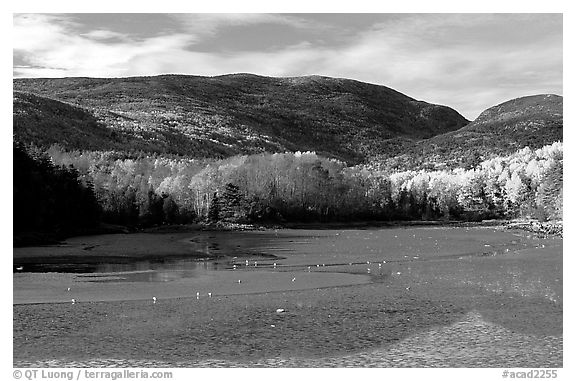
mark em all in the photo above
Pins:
pixel 245 113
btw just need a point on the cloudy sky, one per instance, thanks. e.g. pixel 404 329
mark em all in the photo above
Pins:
pixel 466 61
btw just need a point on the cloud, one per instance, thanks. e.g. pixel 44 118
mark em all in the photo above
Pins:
pixel 209 23
pixel 464 61
pixel 101 34
pixel 469 62
pixel 51 47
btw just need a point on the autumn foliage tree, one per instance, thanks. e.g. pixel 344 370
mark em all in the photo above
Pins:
pixel 303 186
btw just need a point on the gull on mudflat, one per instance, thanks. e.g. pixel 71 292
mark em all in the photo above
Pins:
pixel 154 299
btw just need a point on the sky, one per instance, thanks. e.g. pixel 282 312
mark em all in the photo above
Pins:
pixel 467 61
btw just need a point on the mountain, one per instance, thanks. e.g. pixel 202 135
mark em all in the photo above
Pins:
pixel 225 115
pixel 532 121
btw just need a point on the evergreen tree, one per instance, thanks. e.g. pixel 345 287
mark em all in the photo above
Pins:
pixel 214 209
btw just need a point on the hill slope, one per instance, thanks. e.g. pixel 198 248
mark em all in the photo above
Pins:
pixel 532 121
pixel 225 115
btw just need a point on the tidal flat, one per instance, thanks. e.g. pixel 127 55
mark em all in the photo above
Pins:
pixel 394 297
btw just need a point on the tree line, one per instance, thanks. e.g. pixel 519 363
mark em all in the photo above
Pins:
pixel 71 191
pixel 303 186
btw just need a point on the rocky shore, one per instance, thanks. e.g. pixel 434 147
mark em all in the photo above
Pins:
pixel 548 228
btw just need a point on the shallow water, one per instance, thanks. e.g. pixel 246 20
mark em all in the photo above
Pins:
pixel 492 297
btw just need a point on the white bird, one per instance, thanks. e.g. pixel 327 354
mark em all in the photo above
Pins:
pixel 209 294
pixel 239 281
pixel 308 268
pixel 293 279
pixel 255 264
pixel 280 310
pixel 246 262
pixel 197 295
pixel 234 267
pixel 408 288
pixel 20 268
pixel 73 301
pixel 274 265
pixel 154 299
pixel 368 271
pixel 384 262
pixel 398 273
pixel 68 289
pixel 379 265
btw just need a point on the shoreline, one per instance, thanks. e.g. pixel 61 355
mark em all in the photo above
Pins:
pixel 46 240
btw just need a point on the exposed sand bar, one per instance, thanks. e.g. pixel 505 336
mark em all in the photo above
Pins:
pixel 53 288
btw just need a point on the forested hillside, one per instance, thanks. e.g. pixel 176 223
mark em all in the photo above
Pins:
pixel 178 149
pixel 532 121
pixel 224 116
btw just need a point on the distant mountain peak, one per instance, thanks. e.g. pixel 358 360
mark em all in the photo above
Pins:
pixel 532 105
pixel 531 121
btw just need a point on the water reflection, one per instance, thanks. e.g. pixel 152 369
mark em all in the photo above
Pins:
pixel 134 270
pixel 185 264
pixel 149 271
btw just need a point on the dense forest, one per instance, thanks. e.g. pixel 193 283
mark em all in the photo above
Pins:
pixel 65 189
pixel 50 201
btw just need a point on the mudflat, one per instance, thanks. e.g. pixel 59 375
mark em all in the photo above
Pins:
pixel 426 296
